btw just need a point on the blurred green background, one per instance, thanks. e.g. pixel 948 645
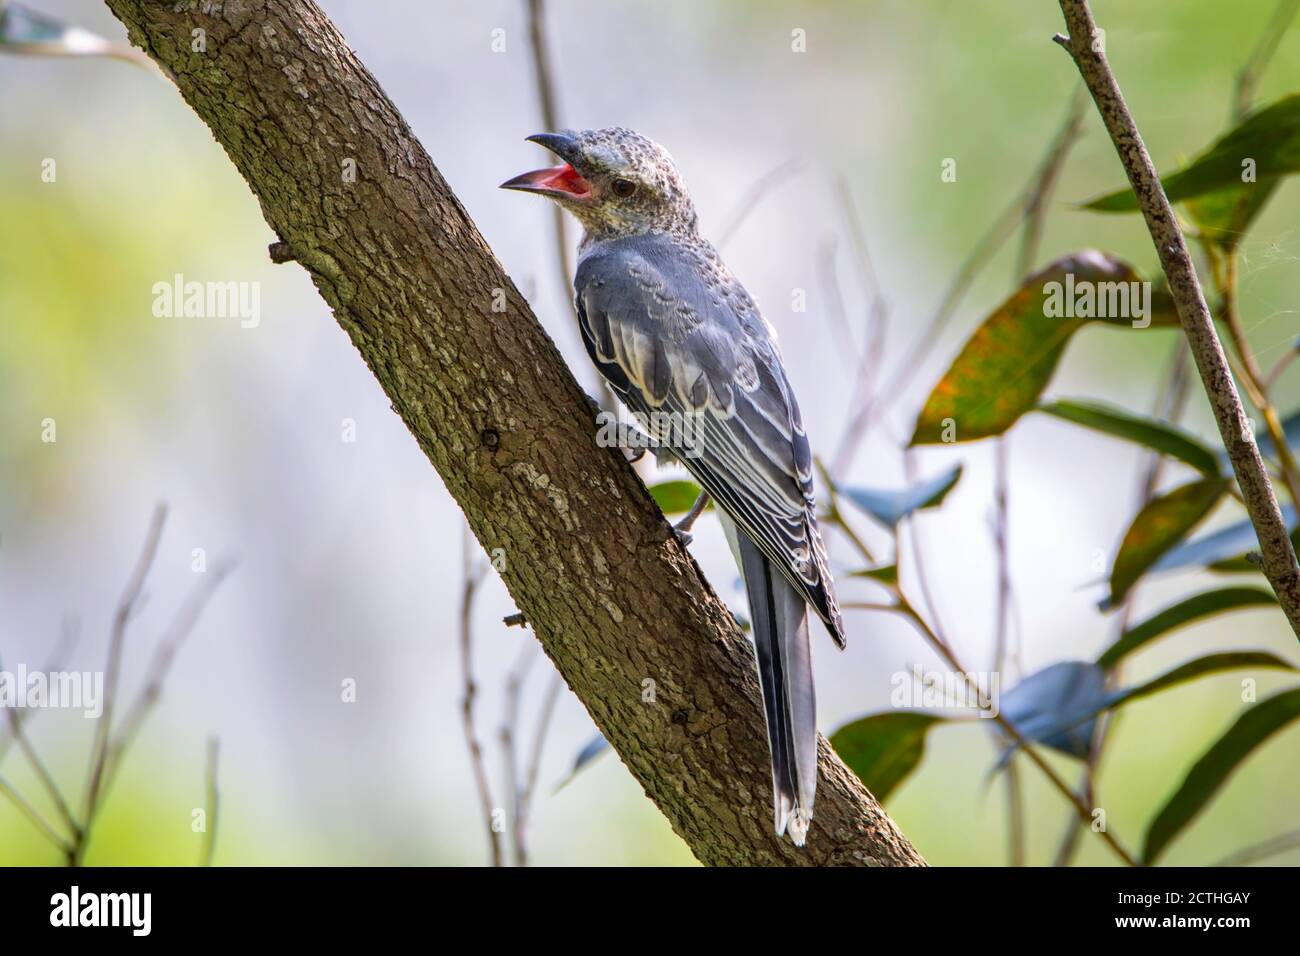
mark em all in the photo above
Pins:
pixel 349 553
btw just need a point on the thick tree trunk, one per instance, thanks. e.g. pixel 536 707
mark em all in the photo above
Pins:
pixel 617 603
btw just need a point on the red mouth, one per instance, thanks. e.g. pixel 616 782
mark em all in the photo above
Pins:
pixel 561 180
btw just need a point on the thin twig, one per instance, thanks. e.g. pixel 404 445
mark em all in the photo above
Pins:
pixel 1262 851
pixel 68 636
pixel 1279 560
pixel 213 806
pixel 1044 183
pixel 918 559
pixel 1248 76
pixel 1001 623
pixel 1224 271
pixel 874 337
pixel 835 313
pixel 474 573
pixel 509 734
pixel 1030 238
pixel 18 734
pixel 1280 366
pixel 36 819
pixel 753 196
pixel 42 772
pixel 125 609
pixel 174 638
pixel 1015 816
pixel 529 788
pixel 543 78
pixel 1001 495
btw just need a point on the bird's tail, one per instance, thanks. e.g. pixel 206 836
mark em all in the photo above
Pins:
pixel 779 616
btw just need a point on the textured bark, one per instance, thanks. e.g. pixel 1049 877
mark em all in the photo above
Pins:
pixel 614 598
pixel 1086 48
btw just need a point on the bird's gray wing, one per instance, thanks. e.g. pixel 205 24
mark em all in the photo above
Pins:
pixel 669 337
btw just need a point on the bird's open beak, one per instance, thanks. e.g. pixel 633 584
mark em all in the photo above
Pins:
pixel 561 181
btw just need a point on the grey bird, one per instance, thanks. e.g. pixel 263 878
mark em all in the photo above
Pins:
pixel 683 345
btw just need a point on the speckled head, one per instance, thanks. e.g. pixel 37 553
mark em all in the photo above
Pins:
pixel 616 182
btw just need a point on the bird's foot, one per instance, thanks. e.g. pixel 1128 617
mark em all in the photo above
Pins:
pixel 683 527
pixel 627 438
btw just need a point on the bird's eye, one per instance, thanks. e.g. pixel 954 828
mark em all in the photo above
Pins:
pixel 623 188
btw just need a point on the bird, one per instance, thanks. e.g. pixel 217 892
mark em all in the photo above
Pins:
pixel 684 346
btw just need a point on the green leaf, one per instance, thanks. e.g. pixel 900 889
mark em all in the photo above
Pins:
pixel 676 496
pixel 1201 666
pixel 1159 526
pixel 1184 612
pixel 1270 137
pixel 1142 429
pixel 1220 549
pixel 884 749
pixel 885 572
pixel 1008 361
pixel 891 507
pixel 1224 215
pixel 1210 773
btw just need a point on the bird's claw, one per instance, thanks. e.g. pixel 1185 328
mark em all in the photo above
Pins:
pixel 683 527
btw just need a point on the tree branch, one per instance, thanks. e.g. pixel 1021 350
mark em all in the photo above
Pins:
pixel 616 601
pixel 1086 47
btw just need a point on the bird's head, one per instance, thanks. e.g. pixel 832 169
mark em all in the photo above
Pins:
pixel 616 182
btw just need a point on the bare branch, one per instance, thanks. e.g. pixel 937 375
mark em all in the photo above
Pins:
pixel 1279 561
pixel 508 735
pixel 529 788
pixel 125 610
pixel 178 632
pixel 1248 76
pixel 474 573
pixel 1262 851
pixel 213 804
pixel 27 810
pixel 753 196
pixel 68 636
